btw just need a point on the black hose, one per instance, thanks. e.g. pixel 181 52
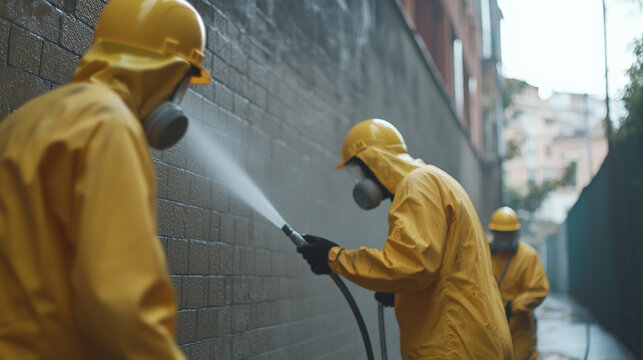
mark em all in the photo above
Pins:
pixel 587 333
pixel 299 240
pixel 358 315
pixel 380 318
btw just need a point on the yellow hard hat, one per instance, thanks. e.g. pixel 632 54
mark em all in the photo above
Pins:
pixel 504 219
pixel 371 132
pixel 167 26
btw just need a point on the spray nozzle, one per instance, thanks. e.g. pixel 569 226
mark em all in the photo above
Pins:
pixel 296 238
pixel 299 240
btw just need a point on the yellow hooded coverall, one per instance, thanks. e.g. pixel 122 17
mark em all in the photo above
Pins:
pixel 525 284
pixel 82 272
pixel 437 262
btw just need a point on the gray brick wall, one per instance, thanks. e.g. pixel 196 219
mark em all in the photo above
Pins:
pixel 40 45
pixel 290 79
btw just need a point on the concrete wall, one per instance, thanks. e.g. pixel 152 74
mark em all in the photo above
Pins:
pixel 290 79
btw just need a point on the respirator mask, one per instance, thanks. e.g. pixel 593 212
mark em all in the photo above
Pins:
pixel 504 242
pixel 167 124
pixel 366 192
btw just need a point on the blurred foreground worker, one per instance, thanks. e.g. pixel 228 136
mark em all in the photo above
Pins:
pixel 435 260
pixel 521 278
pixel 82 272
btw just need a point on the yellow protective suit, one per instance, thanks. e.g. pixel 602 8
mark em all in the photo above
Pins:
pixel 525 284
pixel 82 272
pixel 437 262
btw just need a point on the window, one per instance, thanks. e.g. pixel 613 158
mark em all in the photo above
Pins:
pixel 486 29
pixel 531 146
pixel 548 145
pixel 458 77
pixel 532 175
pixel 548 175
pixel 573 166
pixel 472 92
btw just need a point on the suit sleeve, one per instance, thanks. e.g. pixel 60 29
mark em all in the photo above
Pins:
pixel 535 288
pixel 124 300
pixel 412 253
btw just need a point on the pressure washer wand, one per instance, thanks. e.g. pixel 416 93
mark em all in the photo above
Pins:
pixel 299 240
pixel 294 236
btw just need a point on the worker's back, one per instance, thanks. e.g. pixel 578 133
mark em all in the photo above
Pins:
pixel 461 311
pixel 78 252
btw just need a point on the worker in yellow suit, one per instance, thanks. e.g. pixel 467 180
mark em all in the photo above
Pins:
pixel 521 278
pixel 82 272
pixel 435 260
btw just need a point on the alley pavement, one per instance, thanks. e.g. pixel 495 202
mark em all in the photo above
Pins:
pixel 564 328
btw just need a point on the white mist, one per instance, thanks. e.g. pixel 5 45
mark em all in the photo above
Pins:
pixel 220 165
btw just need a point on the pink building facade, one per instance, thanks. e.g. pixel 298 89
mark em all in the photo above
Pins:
pixel 547 135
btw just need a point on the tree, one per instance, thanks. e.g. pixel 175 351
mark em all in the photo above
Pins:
pixel 632 123
pixel 512 88
pixel 536 194
pixel 513 148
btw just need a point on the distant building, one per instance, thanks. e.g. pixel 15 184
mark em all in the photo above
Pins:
pixel 573 148
pixel 545 136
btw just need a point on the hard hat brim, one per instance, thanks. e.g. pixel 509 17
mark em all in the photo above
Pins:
pixel 497 227
pixel 203 78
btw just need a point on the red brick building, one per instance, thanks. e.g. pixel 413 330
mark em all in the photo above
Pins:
pixel 452 33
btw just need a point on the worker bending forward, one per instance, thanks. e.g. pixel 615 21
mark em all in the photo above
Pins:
pixel 435 260
pixel 521 278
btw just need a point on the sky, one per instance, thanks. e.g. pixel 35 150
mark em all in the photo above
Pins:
pixel 557 45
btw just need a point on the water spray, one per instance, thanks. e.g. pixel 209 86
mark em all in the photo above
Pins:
pixel 240 183
pixel 299 240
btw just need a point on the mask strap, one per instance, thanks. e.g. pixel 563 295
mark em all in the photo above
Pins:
pixel 504 272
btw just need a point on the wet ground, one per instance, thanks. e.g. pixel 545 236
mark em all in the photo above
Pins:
pixel 564 328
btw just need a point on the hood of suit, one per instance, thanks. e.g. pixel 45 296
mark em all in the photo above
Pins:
pixel 389 167
pixel 142 78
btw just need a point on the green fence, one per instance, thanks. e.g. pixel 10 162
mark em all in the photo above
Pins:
pixel 605 244
pixel 554 256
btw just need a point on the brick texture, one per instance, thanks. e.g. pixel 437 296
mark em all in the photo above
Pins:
pixel 88 11
pixel 37 16
pixel 58 65
pixel 4 40
pixel 289 80
pixel 17 87
pixel 25 50
pixel 76 36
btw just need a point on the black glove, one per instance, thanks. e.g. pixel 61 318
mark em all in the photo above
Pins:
pixel 316 253
pixel 386 299
pixel 508 311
